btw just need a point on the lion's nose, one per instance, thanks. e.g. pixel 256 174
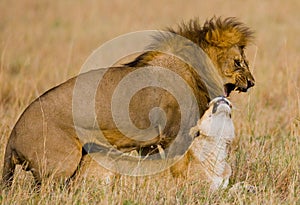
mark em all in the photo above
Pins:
pixel 250 83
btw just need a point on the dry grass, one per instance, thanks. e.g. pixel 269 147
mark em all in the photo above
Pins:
pixel 44 43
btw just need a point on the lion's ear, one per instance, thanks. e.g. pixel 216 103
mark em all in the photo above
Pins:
pixel 223 38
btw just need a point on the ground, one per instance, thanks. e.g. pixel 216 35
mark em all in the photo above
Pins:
pixel 43 43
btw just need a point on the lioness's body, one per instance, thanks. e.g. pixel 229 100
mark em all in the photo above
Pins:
pixel 204 161
pixel 207 155
pixel 45 141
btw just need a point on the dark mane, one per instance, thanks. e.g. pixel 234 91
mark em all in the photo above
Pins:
pixel 216 32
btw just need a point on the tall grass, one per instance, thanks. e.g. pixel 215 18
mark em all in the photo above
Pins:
pixel 44 43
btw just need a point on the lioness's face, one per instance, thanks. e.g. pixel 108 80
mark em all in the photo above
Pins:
pixel 219 105
pixel 216 121
pixel 234 69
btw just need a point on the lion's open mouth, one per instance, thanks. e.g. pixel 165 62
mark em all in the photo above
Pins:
pixel 229 87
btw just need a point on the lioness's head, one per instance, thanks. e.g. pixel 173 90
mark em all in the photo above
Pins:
pixel 216 121
pixel 224 41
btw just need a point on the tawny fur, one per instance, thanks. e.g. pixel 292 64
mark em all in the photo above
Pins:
pixel 205 160
pixel 44 137
pixel 209 150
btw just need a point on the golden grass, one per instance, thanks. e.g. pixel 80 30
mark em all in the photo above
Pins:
pixel 44 43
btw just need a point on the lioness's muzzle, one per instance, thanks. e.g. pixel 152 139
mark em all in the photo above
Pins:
pixel 222 100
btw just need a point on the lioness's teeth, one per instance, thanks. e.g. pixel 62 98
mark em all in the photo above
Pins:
pixel 236 88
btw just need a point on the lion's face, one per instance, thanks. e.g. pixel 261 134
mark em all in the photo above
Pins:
pixel 234 69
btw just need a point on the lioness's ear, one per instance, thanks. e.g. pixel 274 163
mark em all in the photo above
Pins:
pixel 194 132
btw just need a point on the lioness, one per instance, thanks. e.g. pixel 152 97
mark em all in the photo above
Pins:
pixel 45 141
pixel 204 161
pixel 213 133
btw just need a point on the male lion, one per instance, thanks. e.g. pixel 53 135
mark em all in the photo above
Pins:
pixel 45 138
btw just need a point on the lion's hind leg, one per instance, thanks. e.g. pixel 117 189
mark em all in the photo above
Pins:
pixel 9 167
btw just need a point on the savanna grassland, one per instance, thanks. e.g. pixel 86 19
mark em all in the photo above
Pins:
pixel 43 43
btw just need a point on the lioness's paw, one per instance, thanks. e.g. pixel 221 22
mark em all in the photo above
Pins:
pixel 243 187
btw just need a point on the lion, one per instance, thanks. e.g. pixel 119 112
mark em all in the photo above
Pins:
pixel 204 161
pixel 45 138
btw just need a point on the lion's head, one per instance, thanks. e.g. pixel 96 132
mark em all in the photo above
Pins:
pixel 224 41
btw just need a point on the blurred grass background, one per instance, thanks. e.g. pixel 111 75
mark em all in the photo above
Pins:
pixel 43 43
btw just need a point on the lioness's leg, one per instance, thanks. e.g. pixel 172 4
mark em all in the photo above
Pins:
pixel 180 168
pixel 90 169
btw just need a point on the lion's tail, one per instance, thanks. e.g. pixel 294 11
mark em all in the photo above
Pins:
pixel 9 166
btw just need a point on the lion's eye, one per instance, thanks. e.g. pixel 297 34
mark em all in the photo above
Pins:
pixel 237 63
